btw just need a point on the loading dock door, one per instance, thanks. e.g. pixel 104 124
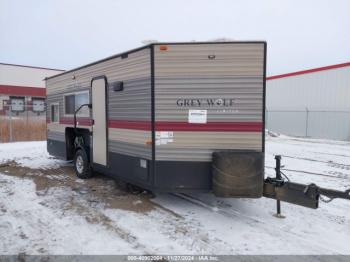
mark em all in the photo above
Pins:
pixel 99 129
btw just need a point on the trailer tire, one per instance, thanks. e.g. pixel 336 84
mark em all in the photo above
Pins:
pixel 81 164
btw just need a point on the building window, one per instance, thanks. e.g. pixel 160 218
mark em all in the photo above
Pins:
pixel 17 104
pixel 73 101
pixel 38 104
pixel 55 115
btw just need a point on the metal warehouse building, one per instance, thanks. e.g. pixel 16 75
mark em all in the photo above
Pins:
pixel 22 102
pixel 23 87
pixel 311 103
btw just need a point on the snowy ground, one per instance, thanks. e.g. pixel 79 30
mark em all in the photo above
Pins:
pixel 44 209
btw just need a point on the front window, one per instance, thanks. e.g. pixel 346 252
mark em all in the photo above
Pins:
pixel 73 101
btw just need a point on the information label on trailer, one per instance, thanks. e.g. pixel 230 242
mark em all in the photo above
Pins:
pixel 164 137
pixel 197 116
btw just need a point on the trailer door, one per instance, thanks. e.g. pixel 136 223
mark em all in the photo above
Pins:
pixel 99 129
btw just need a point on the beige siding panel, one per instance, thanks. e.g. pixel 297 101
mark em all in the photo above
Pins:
pixel 57 136
pixel 199 146
pixel 56 127
pixel 130 142
pixel 136 65
pixel 57 132
pixel 135 150
pixel 230 60
pixel 129 135
pixel 214 140
pixel 133 103
pixel 246 93
pixel 186 72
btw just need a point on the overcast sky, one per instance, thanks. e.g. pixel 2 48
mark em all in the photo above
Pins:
pixel 69 33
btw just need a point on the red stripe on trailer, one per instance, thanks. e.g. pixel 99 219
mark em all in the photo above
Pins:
pixel 184 126
pixel 124 124
pixel 80 121
pixel 212 126
pixel 174 126
pixel 22 90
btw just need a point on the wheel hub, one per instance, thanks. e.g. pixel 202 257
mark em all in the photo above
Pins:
pixel 79 164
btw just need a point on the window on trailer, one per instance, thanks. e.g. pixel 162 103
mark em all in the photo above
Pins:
pixel 55 115
pixel 73 101
pixel 69 104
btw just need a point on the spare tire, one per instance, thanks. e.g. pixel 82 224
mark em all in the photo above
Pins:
pixel 238 174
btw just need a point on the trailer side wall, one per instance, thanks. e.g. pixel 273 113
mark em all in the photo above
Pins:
pixel 129 111
pixel 224 84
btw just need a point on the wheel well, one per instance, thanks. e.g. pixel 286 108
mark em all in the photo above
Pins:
pixel 71 148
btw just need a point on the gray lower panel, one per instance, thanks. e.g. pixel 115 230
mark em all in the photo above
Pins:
pixel 57 148
pixel 59 136
pixel 168 176
pixel 182 176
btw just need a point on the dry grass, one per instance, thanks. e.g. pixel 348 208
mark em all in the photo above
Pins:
pixel 23 130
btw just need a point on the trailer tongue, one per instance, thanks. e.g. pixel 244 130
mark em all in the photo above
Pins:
pixel 299 194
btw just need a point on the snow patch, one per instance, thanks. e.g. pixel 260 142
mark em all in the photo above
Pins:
pixel 29 154
pixel 64 221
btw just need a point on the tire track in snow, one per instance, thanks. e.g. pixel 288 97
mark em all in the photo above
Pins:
pixel 330 163
pixel 338 176
pixel 188 233
pixel 93 214
pixel 232 213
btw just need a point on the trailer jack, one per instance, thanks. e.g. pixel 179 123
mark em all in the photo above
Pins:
pixel 299 194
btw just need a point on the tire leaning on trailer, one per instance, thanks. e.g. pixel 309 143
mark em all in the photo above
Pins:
pixel 81 164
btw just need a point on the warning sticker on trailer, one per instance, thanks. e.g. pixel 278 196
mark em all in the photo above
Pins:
pixel 164 137
pixel 197 116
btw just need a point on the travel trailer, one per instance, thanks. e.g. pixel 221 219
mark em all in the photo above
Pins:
pixel 170 117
